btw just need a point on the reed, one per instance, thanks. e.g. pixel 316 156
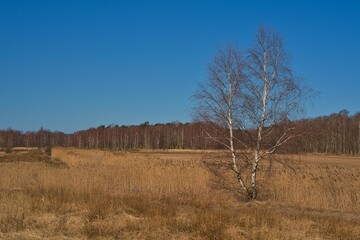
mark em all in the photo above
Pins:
pixel 169 195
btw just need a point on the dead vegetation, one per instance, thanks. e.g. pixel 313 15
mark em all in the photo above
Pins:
pixel 170 195
pixel 31 155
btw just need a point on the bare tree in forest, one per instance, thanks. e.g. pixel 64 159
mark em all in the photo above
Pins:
pixel 256 95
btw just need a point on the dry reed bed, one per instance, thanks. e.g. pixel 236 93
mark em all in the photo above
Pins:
pixel 168 195
pixel 319 183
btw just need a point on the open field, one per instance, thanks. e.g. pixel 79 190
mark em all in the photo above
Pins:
pixel 94 194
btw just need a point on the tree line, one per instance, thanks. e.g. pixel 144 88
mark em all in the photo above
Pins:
pixel 338 133
pixel 144 136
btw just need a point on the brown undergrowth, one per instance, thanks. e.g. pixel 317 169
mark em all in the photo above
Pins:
pixel 170 195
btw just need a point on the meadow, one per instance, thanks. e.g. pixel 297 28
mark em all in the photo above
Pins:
pixel 172 194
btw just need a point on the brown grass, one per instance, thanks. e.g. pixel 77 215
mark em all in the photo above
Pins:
pixel 97 194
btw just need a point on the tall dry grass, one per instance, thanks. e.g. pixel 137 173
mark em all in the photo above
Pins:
pixel 169 195
pixel 319 185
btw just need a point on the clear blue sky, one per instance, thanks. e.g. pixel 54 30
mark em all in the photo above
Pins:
pixel 71 65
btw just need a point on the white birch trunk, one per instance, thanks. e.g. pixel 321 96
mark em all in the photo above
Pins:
pixel 260 132
pixel 254 175
pixel 233 155
pixel 231 141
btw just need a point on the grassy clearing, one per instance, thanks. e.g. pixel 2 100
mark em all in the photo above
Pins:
pixel 97 194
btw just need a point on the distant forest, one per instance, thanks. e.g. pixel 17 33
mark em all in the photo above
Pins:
pixel 338 133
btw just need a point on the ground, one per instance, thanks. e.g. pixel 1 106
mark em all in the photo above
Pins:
pixel 172 194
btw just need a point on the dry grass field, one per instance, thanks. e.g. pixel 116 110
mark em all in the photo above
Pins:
pixel 94 194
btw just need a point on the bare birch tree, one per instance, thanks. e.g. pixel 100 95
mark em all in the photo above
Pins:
pixel 218 102
pixel 272 96
pixel 256 95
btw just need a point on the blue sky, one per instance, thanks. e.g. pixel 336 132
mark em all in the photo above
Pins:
pixel 71 65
